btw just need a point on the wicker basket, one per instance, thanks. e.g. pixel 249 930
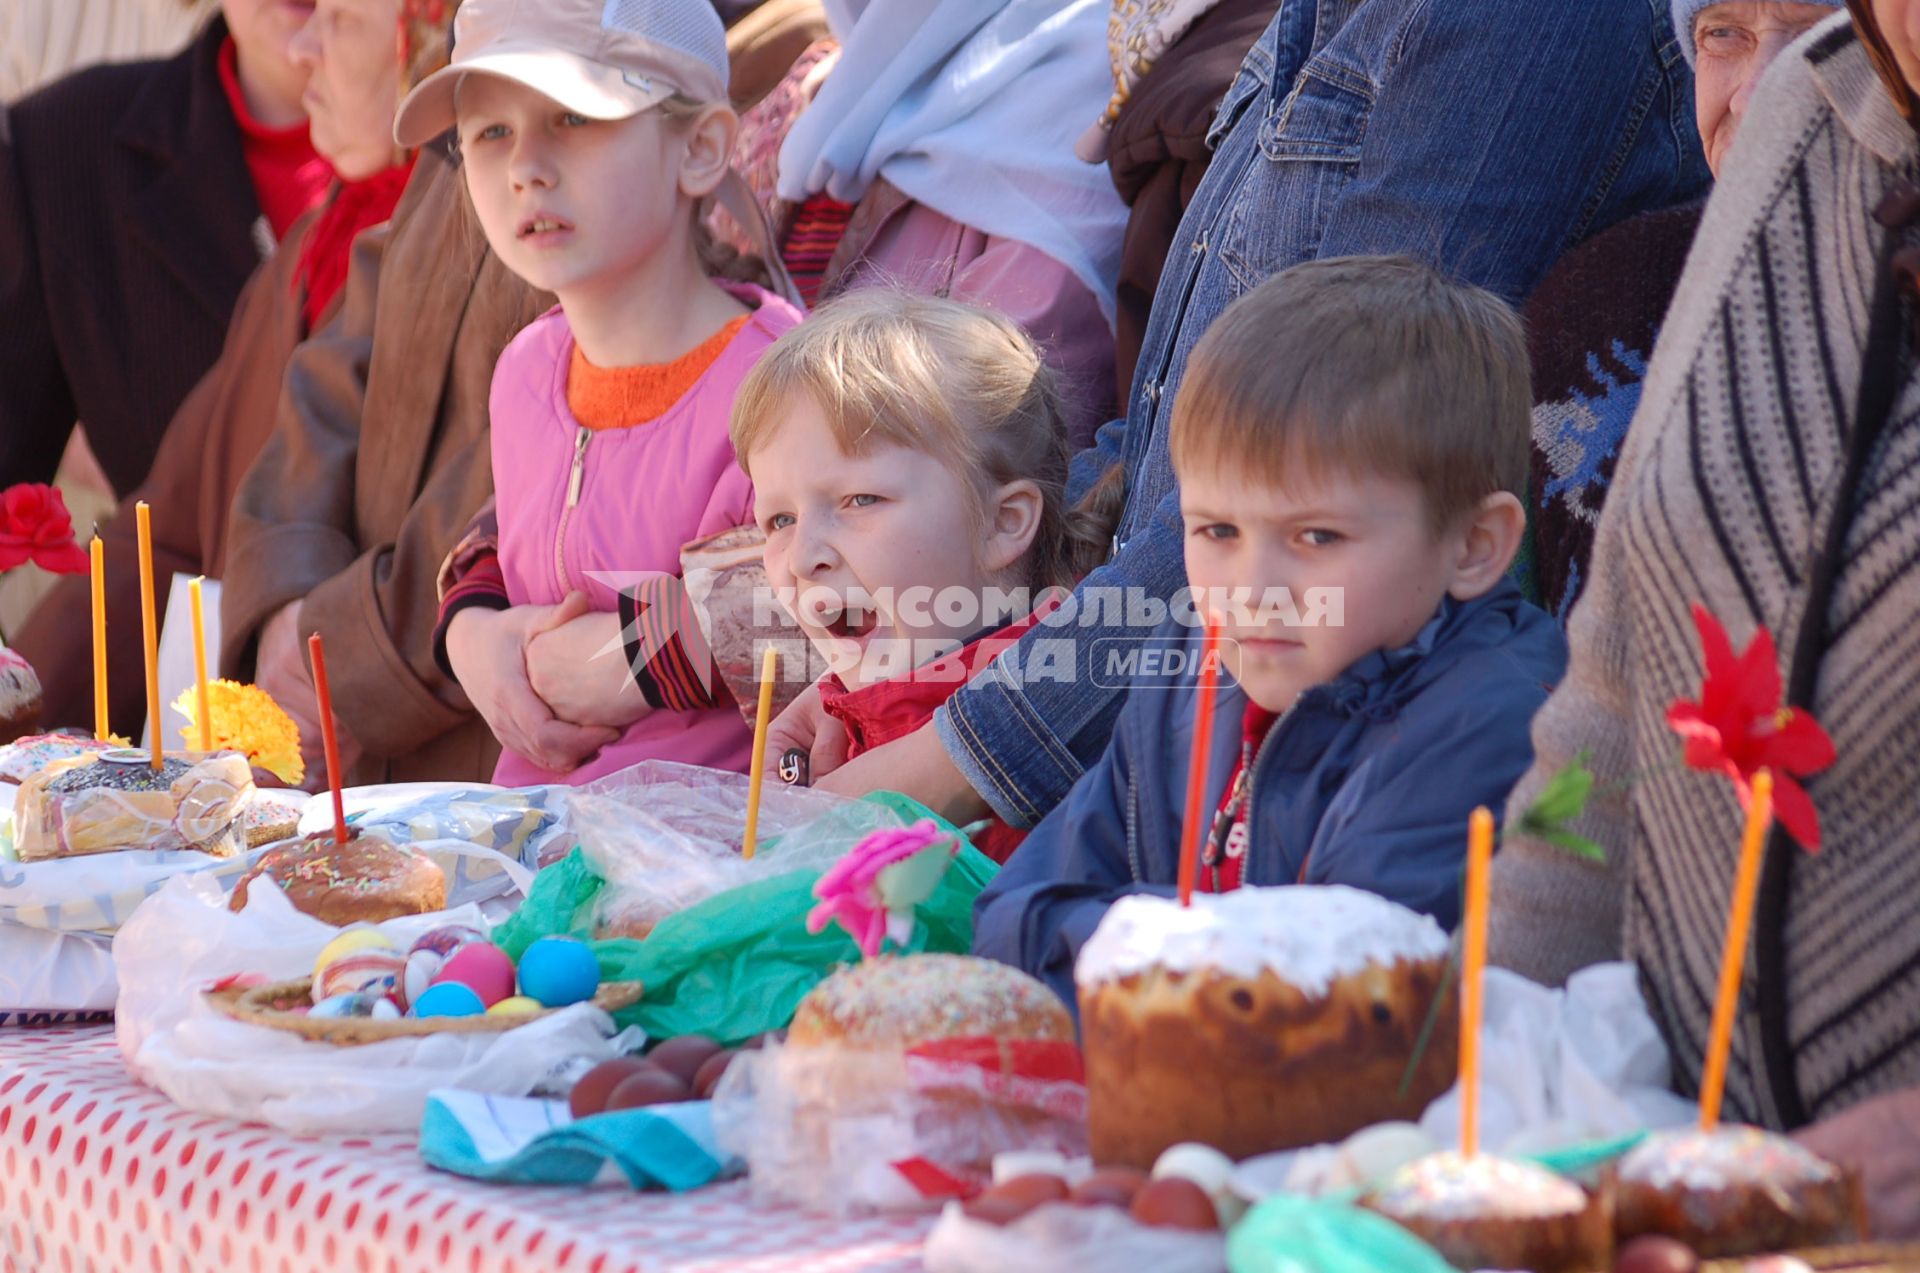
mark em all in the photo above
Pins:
pixel 274 1006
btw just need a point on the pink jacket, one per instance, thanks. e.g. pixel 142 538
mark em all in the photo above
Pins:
pixel 592 510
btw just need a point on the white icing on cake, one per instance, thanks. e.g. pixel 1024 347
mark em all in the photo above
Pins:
pixel 1729 1156
pixel 1451 1186
pixel 1306 934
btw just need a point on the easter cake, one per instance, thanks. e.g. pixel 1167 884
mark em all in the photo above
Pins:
pixel 108 801
pixel 1486 1212
pixel 1734 1191
pixel 362 881
pixel 1259 1020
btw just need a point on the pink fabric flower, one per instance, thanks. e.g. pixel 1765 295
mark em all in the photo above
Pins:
pixel 862 893
pixel 35 526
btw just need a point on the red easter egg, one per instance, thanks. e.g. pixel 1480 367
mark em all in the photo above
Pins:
pixel 651 1086
pixel 684 1056
pixel 589 1095
pixel 1111 1187
pixel 481 967
pixel 1174 1203
pixel 710 1072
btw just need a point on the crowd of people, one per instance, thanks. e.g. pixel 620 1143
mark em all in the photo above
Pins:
pixel 1495 337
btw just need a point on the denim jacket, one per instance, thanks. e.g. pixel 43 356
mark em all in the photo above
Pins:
pixel 1366 780
pixel 1487 137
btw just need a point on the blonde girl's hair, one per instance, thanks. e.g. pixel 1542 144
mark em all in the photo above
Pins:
pixel 961 383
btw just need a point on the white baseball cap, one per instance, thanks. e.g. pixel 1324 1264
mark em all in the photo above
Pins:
pixel 604 59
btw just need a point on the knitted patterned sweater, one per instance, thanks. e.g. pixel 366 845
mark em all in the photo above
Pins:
pixel 1590 331
pixel 1725 493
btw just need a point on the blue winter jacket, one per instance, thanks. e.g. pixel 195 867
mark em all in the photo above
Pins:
pixel 1367 780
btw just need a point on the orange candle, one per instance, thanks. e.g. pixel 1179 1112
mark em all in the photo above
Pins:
pixel 329 740
pixel 96 553
pixel 756 775
pixel 200 666
pixel 1473 967
pixel 1196 814
pixel 1733 956
pixel 149 628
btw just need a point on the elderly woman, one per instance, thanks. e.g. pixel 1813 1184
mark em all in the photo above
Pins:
pixel 1593 320
pixel 354 74
pixel 1772 475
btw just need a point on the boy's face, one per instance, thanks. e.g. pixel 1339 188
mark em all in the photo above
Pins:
pixel 1366 537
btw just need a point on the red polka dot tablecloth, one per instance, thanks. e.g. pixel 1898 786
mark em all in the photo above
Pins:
pixel 101 1175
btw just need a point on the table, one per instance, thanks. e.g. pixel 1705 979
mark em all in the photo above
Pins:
pixel 101 1175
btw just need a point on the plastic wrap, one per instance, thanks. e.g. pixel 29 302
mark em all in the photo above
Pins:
pixel 846 1130
pixel 1064 1236
pixel 666 836
pixel 185 940
pixel 196 810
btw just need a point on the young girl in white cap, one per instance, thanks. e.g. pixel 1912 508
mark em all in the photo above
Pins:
pixel 593 133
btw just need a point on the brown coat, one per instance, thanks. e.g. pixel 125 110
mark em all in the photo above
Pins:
pixel 214 436
pixel 357 520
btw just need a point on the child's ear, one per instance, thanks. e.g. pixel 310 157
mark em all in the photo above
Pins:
pixel 710 137
pixel 1013 519
pixel 1491 539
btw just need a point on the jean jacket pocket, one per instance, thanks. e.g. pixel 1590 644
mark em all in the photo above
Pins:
pixel 1324 118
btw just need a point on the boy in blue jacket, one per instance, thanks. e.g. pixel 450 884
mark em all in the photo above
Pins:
pixel 1351 446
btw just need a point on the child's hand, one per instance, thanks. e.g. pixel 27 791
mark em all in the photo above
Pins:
pixel 578 665
pixel 487 649
pixel 805 726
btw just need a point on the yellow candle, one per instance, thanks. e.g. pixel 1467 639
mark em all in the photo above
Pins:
pixel 149 627
pixel 1473 966
pixel 1733 956
pixel 200 667
pixel 99 564
pixel 757 775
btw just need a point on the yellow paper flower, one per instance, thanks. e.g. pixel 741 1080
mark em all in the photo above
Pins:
pixel 247 720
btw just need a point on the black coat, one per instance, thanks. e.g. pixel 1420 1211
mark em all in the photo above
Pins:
pixel 127 229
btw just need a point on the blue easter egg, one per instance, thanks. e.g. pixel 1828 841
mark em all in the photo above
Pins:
pixel 448 999
pixel 558 971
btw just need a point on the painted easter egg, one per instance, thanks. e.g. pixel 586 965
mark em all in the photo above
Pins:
pixel 358 938
pixel 371 969
pixel 558 971
pixel 483 968
pixel 358 1004
pixel 448 999
pixel 515 1006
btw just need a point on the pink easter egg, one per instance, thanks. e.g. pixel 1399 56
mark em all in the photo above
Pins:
pixel 481 967
pixel 446 939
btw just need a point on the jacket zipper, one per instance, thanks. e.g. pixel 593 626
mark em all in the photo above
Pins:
pixel 1253 768
pixel 575 479
pixel 1133 826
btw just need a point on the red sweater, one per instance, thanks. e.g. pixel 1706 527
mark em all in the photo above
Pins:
pixel 880 713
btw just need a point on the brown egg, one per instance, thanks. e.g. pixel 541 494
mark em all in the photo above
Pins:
pixel 684 1056
pixel 1653 1254
pixel 1110 1187
pixel 589 1095
pixel 651 1086
pixel 1011 1199
pixel 1173 1203
pixel 708 1076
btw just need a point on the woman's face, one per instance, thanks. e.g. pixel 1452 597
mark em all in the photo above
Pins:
pixel 1734 42
pixel 263 31
pixel 351 53
pixel 1900 26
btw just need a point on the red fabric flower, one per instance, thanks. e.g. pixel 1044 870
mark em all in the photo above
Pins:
pixel 1739 727
pixel 35 526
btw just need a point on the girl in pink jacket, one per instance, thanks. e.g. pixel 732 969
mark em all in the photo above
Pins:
pixel 593 136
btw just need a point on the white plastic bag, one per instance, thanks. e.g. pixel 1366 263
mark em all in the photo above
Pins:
pixel 852 1130
pixel 1065 1236
pixel 184 939
pixel 666 836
